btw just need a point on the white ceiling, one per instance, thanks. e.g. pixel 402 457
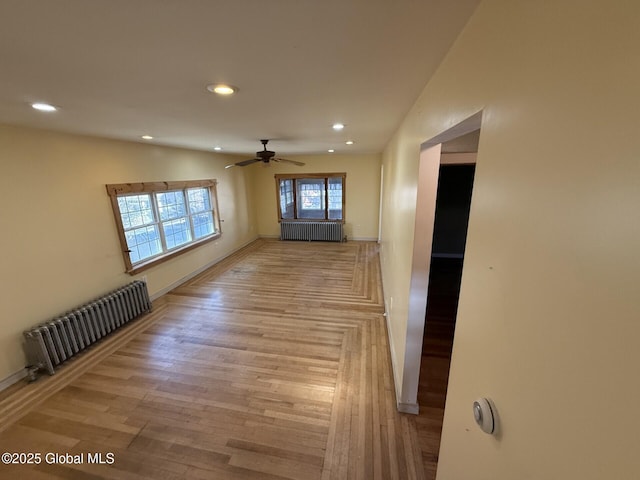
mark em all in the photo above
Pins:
pixel 122 69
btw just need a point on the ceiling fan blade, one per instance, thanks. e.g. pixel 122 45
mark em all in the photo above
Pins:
pixel 300 164
pixel 244 163
pixel 229 166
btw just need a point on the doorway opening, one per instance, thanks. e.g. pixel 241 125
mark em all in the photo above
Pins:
pixel 445 274
pixel 456 174
pixel 460 144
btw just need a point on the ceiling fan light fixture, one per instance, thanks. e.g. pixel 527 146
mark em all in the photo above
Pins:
pixel 265 157
pixel 221 89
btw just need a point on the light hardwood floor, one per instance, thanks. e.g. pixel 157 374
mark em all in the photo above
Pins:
pixel 272 364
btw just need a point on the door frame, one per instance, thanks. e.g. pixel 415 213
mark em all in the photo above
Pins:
pixel 430 157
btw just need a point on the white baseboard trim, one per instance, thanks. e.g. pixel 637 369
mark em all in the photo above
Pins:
pixel 198 271
pixel 13 378
pixel 411 408
pixel 396 384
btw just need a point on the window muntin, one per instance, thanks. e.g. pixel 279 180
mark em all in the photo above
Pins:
pixel 163 219
pixel 313 197
pixel 172 211
pixel 286 198
pixel 171 205
pixel 335 198
pixel 201 212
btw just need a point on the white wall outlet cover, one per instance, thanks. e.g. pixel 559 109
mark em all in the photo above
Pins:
pixel 484 415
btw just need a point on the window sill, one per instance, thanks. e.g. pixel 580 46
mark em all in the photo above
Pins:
pixel 142 266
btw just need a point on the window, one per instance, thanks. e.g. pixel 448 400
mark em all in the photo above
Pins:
pixel 157 221
pixel 311 196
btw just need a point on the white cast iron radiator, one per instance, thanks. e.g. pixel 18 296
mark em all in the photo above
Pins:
pixel 52 342
pixel 321 231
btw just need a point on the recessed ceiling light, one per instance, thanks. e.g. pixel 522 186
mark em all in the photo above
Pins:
pixel 221 89
pixel 338 126
pixel 349 142
pixel 44 107
pixel 217 149
pixel 147 137
pixel 331 150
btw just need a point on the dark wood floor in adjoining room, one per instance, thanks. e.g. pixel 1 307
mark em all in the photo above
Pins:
pixel 440 319
pixel 272 364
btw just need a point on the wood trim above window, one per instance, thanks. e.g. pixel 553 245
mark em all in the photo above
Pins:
pixel 278 176
pixel 115 189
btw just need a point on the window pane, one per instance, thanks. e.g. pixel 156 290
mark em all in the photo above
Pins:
pixel 135 210
pixel 143 242
pixel 203 224
pixel 198 200
pixel 311 198
pixel 335 198
pixel 171 205
pixel 176 232
pixel 286 198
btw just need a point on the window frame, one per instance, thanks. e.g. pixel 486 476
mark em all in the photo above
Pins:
pixel 326 176
pixel 116 190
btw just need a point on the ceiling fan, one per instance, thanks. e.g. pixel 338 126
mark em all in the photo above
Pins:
pixel 264 156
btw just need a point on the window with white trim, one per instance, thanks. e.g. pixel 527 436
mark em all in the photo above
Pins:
pixel 158 220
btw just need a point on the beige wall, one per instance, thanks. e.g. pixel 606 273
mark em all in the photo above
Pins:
pixel 362 191
pixel 59 243
pixel 548 317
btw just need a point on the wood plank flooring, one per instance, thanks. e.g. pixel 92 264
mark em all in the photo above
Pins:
pixel 273 364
